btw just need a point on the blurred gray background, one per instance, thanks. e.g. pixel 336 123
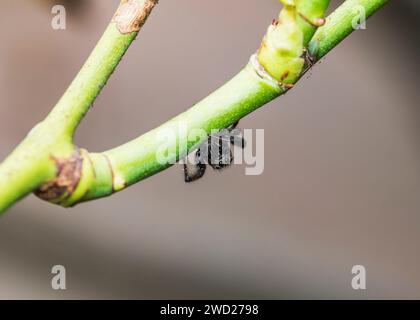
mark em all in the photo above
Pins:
pixel 342 161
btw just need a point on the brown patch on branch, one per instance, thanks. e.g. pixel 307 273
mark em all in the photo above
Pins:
pixel 132 14
pixel 69 171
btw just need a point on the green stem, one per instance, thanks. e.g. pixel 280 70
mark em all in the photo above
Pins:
pixel 41 158
pixel 35 160
pixel 340 24
pixel 117 38
pixel 246 92
pixel 87 85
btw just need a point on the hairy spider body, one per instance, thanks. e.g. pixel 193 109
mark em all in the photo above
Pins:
pixel 215 152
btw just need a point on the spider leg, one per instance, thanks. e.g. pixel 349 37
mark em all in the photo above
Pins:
pixel 238 141
pixel 233 126
pixel 216 154
pixel 223 161
pixel 219 166
pixel 199 173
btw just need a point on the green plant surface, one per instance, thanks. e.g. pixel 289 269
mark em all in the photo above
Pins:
pixel 48 162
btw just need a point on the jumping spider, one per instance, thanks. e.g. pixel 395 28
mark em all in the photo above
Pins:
pixel 216 152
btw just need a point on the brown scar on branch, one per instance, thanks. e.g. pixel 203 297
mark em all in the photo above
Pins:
pixel 285 86
pixel 69 171
pixel 132 14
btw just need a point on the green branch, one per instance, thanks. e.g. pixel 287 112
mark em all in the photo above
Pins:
pixel 246 92
pixel 340 24
pixel 35 160
pixel 49 162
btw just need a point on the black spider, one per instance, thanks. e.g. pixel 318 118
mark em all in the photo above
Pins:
pixel 216 152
